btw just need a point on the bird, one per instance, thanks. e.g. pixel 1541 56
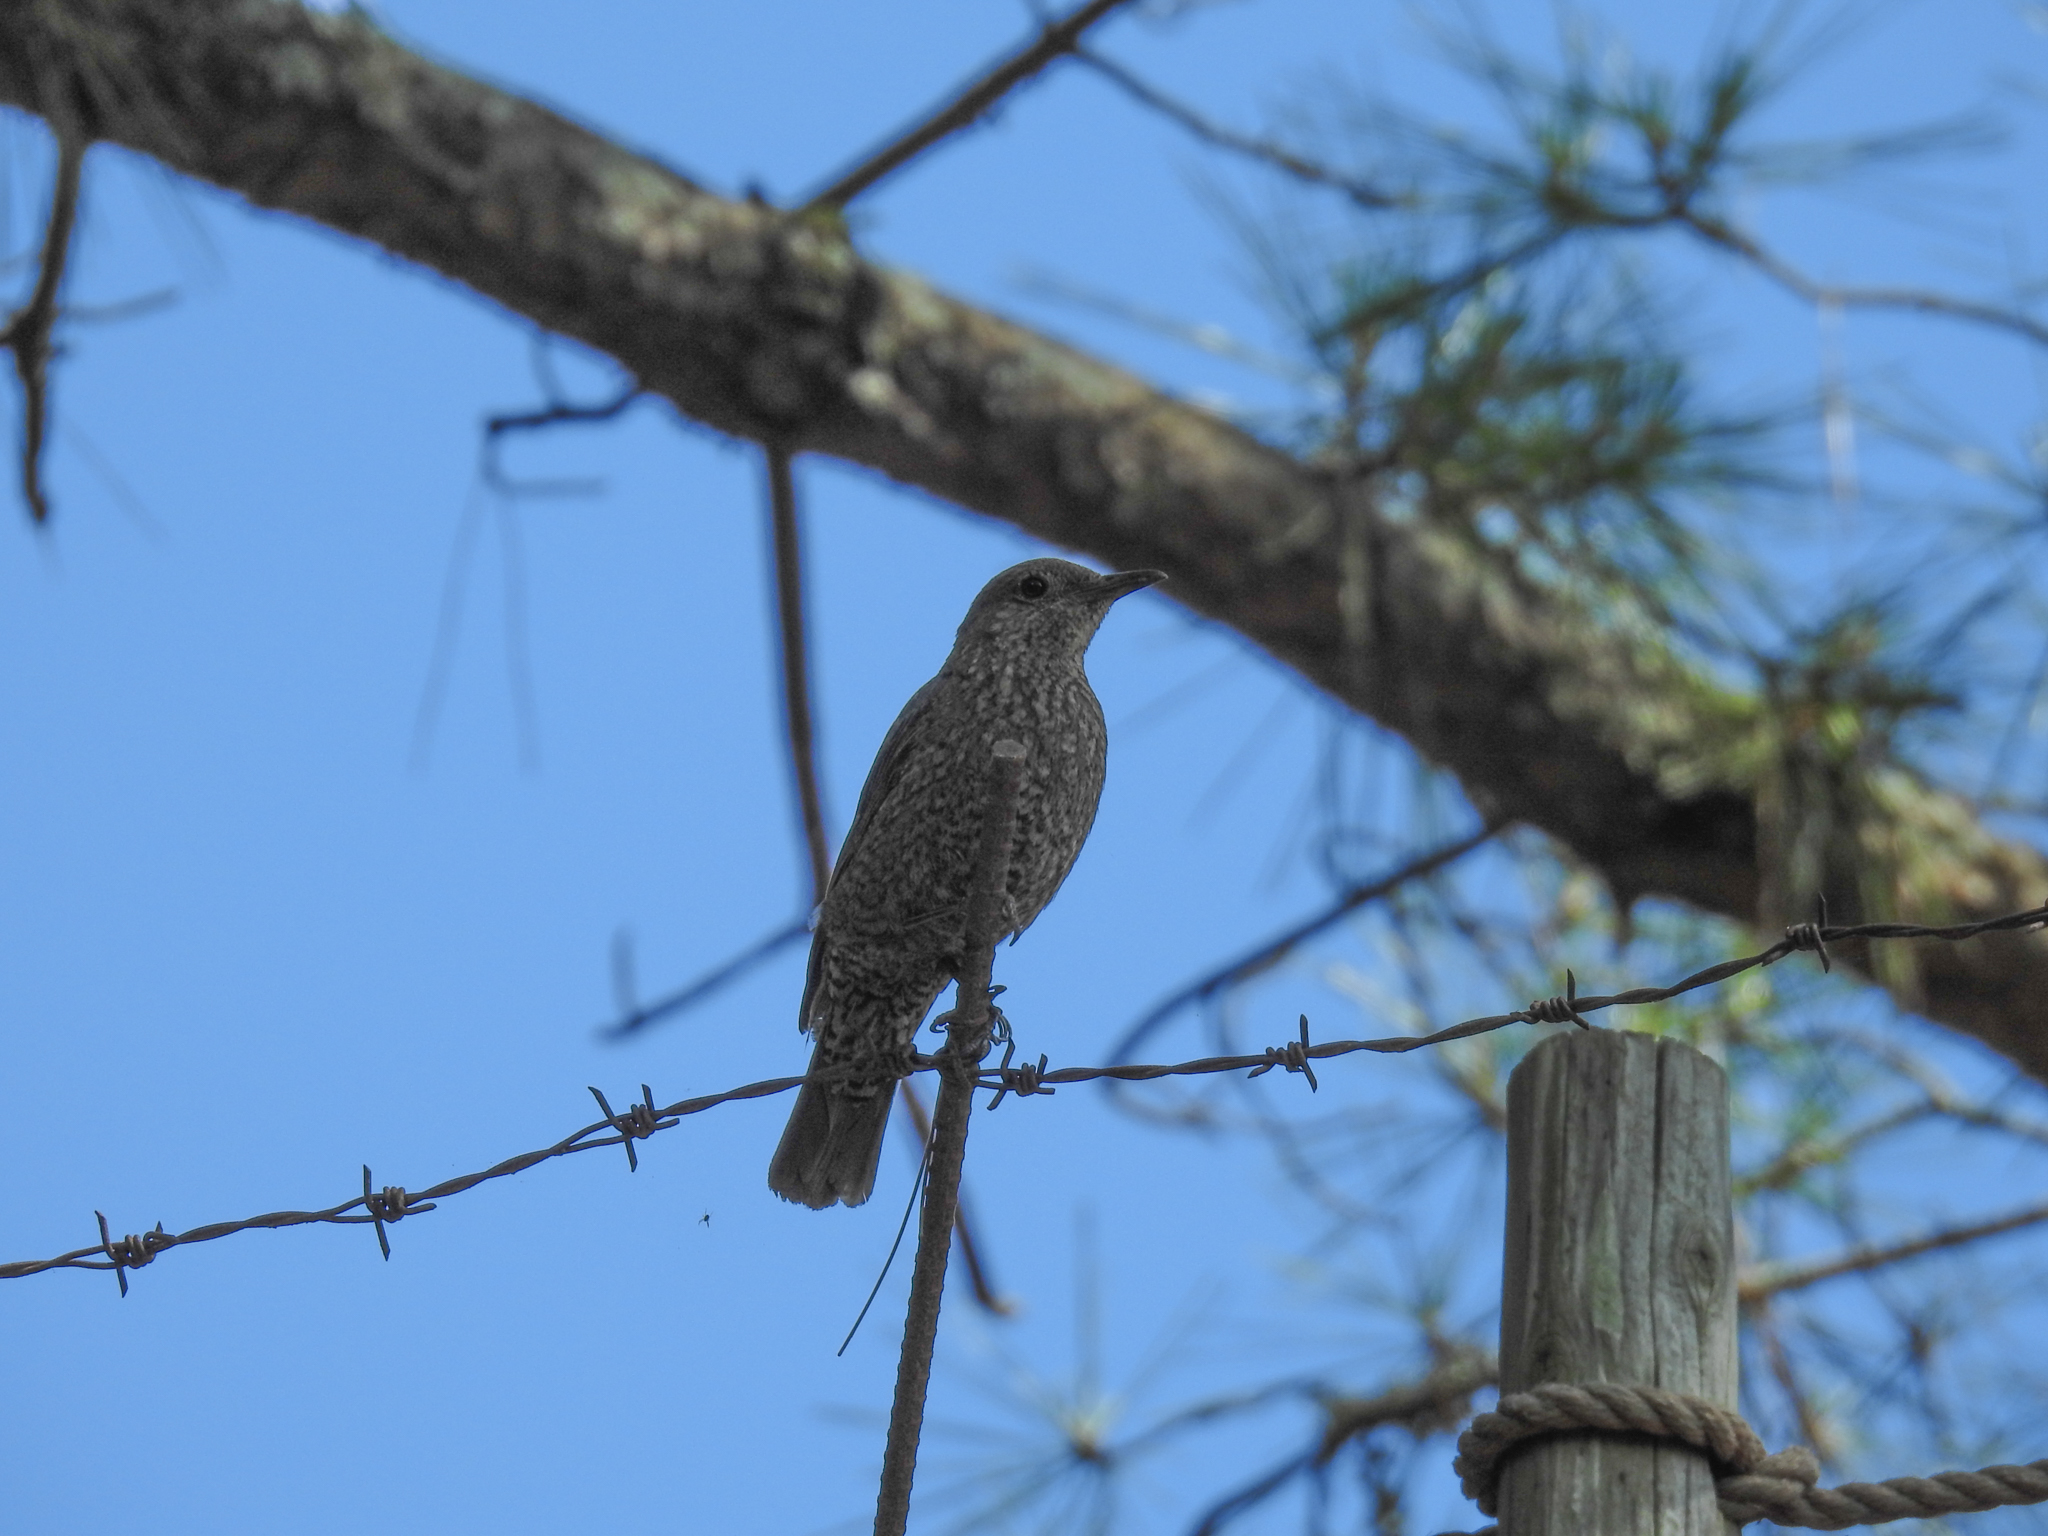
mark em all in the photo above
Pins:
pixel 891 930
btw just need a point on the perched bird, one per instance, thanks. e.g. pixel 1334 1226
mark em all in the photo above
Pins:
pixel 891 930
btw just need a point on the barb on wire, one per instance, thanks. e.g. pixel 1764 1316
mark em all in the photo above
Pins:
pixel 131 1252
pixel 391 1203
pixel 1293 1056
pixel 135 1251
pixel 377 1208
pixel 1555 1010
pixel 28 330
pixel 965 107
pixel 639 1121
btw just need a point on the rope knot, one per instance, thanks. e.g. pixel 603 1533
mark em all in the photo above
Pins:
pixel 1722 1434
pixel 1749 1485
pixel 1778 1486
pixel 1293 1056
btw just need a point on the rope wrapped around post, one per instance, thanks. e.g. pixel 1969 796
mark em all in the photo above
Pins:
pixel 1750 1484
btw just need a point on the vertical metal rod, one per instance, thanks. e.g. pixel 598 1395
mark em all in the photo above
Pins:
pixel 968 1035
pixel 985 1294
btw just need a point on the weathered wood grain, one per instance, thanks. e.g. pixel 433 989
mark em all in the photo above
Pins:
pixel 1619 1268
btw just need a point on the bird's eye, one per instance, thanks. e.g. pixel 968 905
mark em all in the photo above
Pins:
pixel 1032 587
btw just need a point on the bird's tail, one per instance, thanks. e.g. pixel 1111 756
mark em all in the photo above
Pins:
pixel 832 1145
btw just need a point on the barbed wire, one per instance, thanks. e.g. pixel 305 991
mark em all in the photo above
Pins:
pixel 386 1206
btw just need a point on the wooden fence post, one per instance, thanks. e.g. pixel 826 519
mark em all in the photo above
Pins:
pixel 1620 1268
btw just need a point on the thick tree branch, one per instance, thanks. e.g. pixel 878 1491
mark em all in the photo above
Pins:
pixel 772 326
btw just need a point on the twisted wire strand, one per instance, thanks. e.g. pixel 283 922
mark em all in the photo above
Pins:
pixel 644 1120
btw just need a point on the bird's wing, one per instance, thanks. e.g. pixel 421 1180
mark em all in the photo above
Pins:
pixel 886 772
pixel 882 778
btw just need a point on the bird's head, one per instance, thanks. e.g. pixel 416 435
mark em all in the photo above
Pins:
pixel 1045 607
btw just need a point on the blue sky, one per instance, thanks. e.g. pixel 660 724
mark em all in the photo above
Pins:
pixel 252 941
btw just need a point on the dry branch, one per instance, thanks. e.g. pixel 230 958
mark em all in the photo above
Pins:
pixel 1912 301
pixel 765 325
pixel 28 330
pixel 1250 145
pixel 556 413
pixel 793 648
pixel 1440 1400
pixel 1263 957
pixel 635 1015
pixel 1778 1277
pixel 965 107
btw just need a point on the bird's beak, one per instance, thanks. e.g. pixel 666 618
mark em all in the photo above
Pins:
pixel 1123 583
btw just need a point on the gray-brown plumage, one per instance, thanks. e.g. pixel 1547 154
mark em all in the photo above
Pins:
pixel 891 931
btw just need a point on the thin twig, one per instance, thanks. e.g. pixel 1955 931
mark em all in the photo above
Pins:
pixel 1814 1430
pixel 965 107
pixel 635 1017
pixel 1270 953
pixel 556 413
pixel 1910 300
pixel 1251 146
pixel 1807 1153
pixel 968 1028
pixel 28 330
pixel 1774 1279
pixel 1438 1401
pixel 787 537
pixel 1254 1493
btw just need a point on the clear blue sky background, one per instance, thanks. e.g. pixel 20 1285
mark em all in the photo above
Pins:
pixel 247 943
